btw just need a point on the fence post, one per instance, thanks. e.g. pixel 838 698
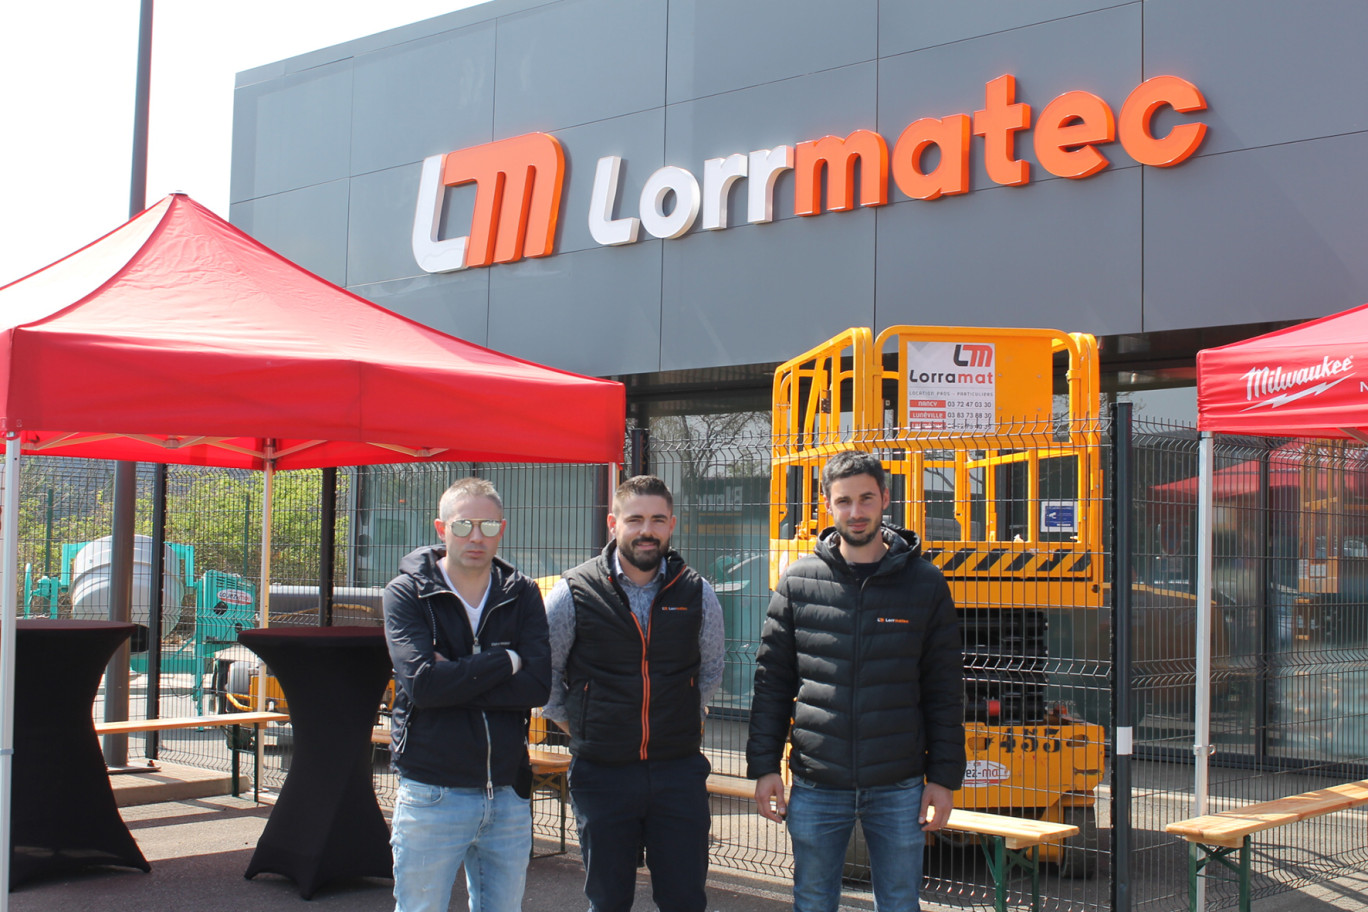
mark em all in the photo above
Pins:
pixel 1123 510
pixel 154 610
pixel 327 546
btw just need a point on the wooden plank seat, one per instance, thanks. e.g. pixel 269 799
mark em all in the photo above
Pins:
pixel 551 771
pixel 217 720
pixel 1214 838
pixel 1008 842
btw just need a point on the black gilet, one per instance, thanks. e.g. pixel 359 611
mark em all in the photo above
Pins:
pixel 633 693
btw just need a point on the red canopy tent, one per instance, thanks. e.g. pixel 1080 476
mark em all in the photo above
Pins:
pixel 177 338
pixel 1309 380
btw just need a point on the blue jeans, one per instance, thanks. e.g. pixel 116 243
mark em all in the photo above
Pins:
pixel 436 829
pixel 820 821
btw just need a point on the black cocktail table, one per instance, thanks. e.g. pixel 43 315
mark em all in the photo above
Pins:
pixel 326 823
pixel 64 815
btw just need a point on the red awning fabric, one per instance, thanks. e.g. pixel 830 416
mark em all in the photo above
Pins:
pixel 1309 380
pixel 177 338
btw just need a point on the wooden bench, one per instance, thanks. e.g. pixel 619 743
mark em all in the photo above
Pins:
pixel 1215 837
pixel 1008 842
pixel 218 720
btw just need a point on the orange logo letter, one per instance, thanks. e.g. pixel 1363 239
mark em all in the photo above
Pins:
pixel 1148 97
pixel 839 157
pixel 517 201
pixel 951 175
pixel 997 123
pixel 1065 133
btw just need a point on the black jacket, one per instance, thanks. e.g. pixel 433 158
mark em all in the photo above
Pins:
pixel 872 675
pixel 633 694
pixel 462 723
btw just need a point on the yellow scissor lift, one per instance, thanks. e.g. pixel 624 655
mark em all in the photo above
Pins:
pixel 1003 481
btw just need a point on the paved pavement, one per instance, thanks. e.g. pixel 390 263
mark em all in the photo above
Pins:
pixel 199 846
pixel 198 849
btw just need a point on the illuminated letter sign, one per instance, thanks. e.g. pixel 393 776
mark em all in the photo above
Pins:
pixel 518 181
pixel 517 201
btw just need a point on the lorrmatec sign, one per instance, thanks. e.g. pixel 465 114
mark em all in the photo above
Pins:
pixel 518 181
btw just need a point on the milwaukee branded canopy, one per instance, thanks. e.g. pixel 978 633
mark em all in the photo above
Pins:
pixel 177 338
pixel 1307 380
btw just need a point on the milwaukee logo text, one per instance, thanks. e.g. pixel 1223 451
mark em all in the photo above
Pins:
pixel 519 181
pixel 1266 381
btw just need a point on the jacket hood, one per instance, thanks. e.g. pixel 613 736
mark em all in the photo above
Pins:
pixel 421 564
pixel 903 545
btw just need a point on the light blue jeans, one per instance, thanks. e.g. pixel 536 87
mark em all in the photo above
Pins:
pixel 436 829
pixel 820 821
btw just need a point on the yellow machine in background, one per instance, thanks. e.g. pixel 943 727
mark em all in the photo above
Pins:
pixel 1002 478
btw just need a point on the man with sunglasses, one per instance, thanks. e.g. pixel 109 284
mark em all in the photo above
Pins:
pixel 467 634
pixel 637 651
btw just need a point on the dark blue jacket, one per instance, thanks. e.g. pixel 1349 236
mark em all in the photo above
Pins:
pixel 462 723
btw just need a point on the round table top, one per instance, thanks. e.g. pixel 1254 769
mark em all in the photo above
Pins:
pixel 312 636
pixel 35 625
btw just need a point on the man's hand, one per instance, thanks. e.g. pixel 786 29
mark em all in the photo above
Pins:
pixel 769 797
pixel 937 801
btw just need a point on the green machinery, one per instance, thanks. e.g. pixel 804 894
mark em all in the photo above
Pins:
pixel 224 603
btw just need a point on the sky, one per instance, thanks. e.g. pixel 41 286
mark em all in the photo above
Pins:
pixel 69 70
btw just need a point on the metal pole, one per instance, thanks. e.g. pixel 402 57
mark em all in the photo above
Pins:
pixel 120 608
pixel 268 487
pixel 9 531
pixel 327 546
pixel 1201 748
pixel 154 612
pixel 1123 521
pixel 125 473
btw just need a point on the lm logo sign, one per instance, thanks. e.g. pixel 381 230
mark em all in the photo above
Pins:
pixel 518 181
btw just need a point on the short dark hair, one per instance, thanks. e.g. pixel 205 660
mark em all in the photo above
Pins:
pixel 850 463
pixel 642 486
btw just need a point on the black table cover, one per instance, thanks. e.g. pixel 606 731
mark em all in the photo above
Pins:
pixel 326 823
pixel 64 815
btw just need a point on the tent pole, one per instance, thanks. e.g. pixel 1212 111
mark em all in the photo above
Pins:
pixel 1201 748
pixel 267 492
pixel 9 523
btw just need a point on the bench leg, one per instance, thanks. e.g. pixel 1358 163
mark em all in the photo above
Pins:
pixel 995 853
pixel 1200 856
pixel 233 751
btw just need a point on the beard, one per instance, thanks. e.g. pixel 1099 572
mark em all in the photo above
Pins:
pixel 874 531
pixel 629 552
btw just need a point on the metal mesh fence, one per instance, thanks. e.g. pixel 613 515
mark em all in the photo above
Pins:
pixel 1018 526
pixel 1289 684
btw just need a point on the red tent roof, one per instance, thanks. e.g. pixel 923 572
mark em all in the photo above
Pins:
pixel 178 338
pixel 1309 380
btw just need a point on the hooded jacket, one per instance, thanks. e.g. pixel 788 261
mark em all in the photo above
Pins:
pixel 871 673
pixel 462 723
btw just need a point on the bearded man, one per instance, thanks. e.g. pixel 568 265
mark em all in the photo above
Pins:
pixel 636 653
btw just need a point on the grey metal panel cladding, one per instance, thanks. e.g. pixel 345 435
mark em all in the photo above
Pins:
pixel 308 226
pixel 908 25
pixel 790 111
pixel 1098 53
pixel 765 292
pixel 593 311
pixel 1271 71
pixel 578 61
pixel 636 138
pixel 1277 233
pixel 1055 253
pixel 379 246
pixel 423 98
pixel 721 45
pixel 457 305
pixel 292 132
